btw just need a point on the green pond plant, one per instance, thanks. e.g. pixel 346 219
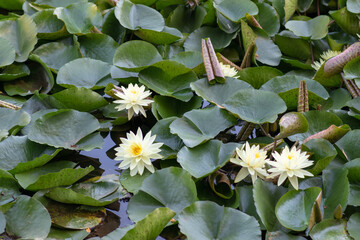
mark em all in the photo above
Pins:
pixel 231 119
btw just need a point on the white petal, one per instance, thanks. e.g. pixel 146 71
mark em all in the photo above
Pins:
pixel 241 175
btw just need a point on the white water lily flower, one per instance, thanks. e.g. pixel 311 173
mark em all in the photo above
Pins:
pixel 133 99
pixel 136 152
pixel 323 57
pixel 252 160
pixel 228 70
pixel 290 164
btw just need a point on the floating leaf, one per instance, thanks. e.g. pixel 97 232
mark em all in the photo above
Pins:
pixel 176 193
pixel 206 158
pixel 132 184
pixel 330 229
pixel 166 36
pixel 9 118
pixel 48 25
pixel 186 20
pixel 136 55
pixel 54 174
pixel 226 223
pixel 54 129
pixel 353 225
pixel 257 76
pixel 136 16
pixel 353 168
pixel 12 4
pixel 346 144
pixel 313 29
pixel 198 126
pixel 266 195
pixel 299 204
pixel 7 52
pixel 56 233
pixel 336 190
pixel 169 78
pixel 22 35
pixel 28 219
pixel 55 3
pixel 14 71
pixel 346 20
pixel 9 188
pixel 267 52
pixel 81 99
pixel 236 9
pixel 83 72
pixel 286 41
pixel 79 18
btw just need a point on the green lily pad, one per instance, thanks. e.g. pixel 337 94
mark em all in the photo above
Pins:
pixel 151 226
pixel 198 126
pixel 56 233
pixel 21 33
pixel 79 18
pixel 169 78
pixel 163 135
pixel 137 16
pixel 207 220
pixel 176 193
pixel 167 107
pixel 136 55
pixel 206 158
pixel 70 216
pixel 329 229
pixel 132 184
pixel 266 195
pixel 336 190
pixel 234 10
pixel 353 168
pixel 14 71
pixel 346 144
pixel 353 225
pixel 210 91
pixel 267 52
pixel 287 87
pixel 9 119
pixel 267 104
pixel 350 70
pixel 186 20
pixel 166 36
pixel 35 219
pixel 18 154
pixel 12 4
pixel 48 25
pixel 83 72
pixel 54 129
pixel 257 76
pixel 353 6
pixel 323 152
pixel 299 204
pixel 57 54
pixel 318 121
pixel 7 52
pixel 286 41
pixel 81 99
pixel 346 20
pixel 54 174
pixel 268 18
pixel 2 222
pixel 313 29
pixel 99 193
pixel 9 188
pixel 55 3
pixel 219 39
pixel 98 46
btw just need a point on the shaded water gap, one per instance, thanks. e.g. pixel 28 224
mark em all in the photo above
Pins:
pixel 117 212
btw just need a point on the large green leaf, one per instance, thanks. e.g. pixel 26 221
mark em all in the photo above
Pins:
pixel 313 29
pixel 336 190
pixel 350 69
pixel 19 154
pixel 63 128
pixel 136 16
pixel 79 18
pixel 346 20
pixel 9 188
pixel 56 233
pixel 294 208
pixel 287 87
pixel 151 226
pixel 318 121
pixel 136 55
pixel 60 173
pixel 353 225
pixel 353 6
pixel 234 10
pixel 9 118
pixel 185 19
pixel 330 229
pixel 48 25
pixel 210 92
pixel 84 72
pixel 22 35
pixel 346 144
pixel 132 184
pixel 257 76
pixel 7 52
pixel 267 52
pixel 169 78
pixel 256 106
pixel 81 99
pixel 219 39
pixel 56 3
pixel 205 220
pixel 198 126
pixel 12 4
pixel 14 71
pixel 166 36
pixel 286 41
pixel 353 170
pixel 268 18
pixel 98 46
pixel 206 158
pixel 28 219
pixel 57 54
pixel 176 193
pixel 2 222
pixel 162 131
pixel 266 195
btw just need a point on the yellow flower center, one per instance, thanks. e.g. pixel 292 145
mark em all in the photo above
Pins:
pixel 290 156
pixel 135 149
pixel 133 91
pixel 257 155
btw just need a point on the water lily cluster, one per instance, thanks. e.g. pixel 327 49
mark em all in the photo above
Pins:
pixel 290 163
